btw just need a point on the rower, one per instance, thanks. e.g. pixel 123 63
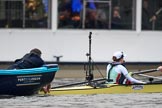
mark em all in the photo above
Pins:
pixel 117 72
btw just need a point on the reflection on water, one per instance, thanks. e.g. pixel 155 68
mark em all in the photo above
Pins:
pixel 82 101
pixel 135 100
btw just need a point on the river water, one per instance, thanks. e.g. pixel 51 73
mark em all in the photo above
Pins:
pixel 85 101
pixel 153 100
pixel 150 100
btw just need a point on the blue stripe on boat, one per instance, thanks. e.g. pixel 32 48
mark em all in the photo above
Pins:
pixel 43 69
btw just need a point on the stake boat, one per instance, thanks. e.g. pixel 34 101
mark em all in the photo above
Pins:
pixel 26 81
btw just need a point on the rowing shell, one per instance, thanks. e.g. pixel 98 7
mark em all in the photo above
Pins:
pixel 107 89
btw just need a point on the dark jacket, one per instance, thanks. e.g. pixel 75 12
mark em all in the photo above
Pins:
pixel 30 60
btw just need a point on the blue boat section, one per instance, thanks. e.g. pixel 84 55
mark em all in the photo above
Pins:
pixel 44 69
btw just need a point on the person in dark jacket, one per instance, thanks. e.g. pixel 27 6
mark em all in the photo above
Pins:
pixel 29 60
pixel 116 22
pixel 148 16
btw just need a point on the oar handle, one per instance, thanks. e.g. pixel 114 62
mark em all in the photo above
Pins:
pixel 145 71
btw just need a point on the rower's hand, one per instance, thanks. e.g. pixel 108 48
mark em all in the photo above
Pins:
pixel 130 73
pixel 159 68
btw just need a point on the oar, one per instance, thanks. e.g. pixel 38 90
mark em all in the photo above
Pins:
pixel 149 76
pixel 79 83
pixel 145 71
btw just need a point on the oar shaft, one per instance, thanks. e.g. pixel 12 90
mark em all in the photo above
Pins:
pixel 68 85
pixel 149 76
pixel 145 71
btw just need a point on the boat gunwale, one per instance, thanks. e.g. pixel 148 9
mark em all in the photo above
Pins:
pixel 39 70
pixel 88 87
